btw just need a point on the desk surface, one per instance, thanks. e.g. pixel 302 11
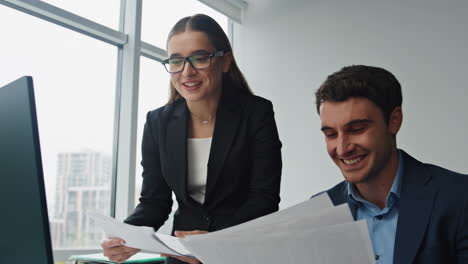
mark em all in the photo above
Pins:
pixel 100 258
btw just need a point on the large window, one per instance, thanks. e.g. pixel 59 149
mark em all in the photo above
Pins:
pixel 74 78
pixel 153 93
pixel 105 12
pixel 158 19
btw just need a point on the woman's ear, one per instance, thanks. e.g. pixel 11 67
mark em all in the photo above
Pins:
pixel 227 60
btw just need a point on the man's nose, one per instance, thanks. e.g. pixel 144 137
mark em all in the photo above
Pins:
pixel 344 146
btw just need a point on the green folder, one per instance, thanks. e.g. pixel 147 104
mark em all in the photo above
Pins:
pixel 100 259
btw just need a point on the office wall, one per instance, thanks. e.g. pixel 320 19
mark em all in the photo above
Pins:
pixel 287 48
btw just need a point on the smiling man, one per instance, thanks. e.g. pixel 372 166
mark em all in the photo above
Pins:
pixel 416 212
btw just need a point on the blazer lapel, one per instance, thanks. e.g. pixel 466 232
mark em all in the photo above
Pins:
pixel 340 196
pixel 176 149
pixel 417 198
pixel 227 121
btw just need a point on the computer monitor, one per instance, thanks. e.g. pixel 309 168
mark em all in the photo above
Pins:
pixel 24 223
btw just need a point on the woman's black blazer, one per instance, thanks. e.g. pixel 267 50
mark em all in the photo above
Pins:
pixel 244 167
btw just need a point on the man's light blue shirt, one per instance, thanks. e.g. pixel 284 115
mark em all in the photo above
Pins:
pixel 382 224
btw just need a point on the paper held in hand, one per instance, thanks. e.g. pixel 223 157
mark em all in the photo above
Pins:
pixel 313 231
pixel 141 237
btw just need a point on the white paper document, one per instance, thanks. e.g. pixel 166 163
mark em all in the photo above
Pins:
pixel 343 243
pixel 314 231
pixel 173 243
pixel 141 237
pixel 308 208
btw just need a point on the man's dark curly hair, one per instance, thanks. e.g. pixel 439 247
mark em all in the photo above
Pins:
pixel 376 84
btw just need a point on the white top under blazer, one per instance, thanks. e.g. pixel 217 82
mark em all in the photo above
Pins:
pixel 198 152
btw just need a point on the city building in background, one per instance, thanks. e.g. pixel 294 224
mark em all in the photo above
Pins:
pixel 82 185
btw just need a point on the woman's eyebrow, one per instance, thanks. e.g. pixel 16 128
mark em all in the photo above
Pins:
pixel 199 51
pixel 195 52
pixel 175 55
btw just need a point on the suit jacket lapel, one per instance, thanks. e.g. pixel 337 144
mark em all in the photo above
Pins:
pixel 416 201
pixel 176 149
pixel 340 196
pixel 227 121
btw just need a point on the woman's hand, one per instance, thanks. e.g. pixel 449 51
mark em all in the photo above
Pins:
pixel 115 250
pixel 181 234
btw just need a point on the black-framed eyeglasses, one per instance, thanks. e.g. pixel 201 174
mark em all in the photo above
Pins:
pixel 198 61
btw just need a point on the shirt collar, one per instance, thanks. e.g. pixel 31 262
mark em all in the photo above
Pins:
pixel 395 189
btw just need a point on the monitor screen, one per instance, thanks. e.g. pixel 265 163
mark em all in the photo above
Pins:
pixel 24 224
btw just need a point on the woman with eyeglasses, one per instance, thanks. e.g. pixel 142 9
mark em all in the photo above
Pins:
pixel 214 144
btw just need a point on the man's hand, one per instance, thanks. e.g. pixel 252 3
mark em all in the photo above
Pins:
pixel 181 234
pixel 115 250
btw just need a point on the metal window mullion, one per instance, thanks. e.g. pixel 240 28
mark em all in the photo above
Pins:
pixel 68 20
pixel 153 52
pixel 123 194
pixel 231 32
pixel 241 4
pixel 233 9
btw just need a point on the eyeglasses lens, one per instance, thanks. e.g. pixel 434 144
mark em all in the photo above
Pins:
pixel 199 61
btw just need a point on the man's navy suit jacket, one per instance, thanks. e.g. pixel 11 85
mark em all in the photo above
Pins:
pixel 433 216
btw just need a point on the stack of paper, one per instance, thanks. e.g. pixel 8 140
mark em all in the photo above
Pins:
pixel 311 232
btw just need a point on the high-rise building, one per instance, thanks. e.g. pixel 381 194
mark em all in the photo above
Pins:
pixel 83 185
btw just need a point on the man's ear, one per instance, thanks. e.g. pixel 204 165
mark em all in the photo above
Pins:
pixel 395 120
pixel 227 60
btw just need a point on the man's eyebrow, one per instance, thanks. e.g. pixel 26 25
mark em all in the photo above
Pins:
pixel 359 121
pixel 325 128
pixel 353 122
